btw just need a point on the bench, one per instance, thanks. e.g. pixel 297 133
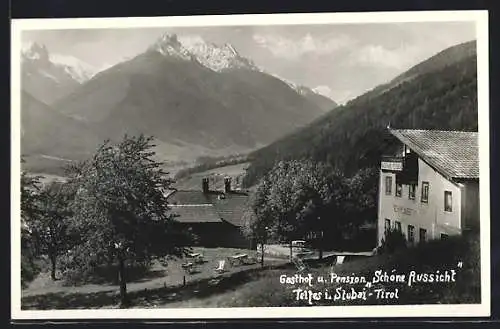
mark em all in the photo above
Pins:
pixel 299 264
pixel 196 257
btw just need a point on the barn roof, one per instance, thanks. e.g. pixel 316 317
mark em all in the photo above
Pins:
pixel 232 207
pixel 62 187
pixel 196 206
pixel 453 153
pixel 196 214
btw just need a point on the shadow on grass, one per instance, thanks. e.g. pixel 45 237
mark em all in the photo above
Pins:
pixel 146 297
pixel 108 275
pixel 70 301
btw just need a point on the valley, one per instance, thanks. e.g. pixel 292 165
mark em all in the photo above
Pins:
pixel 196 100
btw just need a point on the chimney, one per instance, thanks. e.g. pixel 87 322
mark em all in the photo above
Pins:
pixel 204 184
pixel 227 184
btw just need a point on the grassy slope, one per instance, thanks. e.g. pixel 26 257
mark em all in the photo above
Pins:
pixel 45 131
pixel 264 289
pixel 193 181
pixel 100 290
pixel 251 286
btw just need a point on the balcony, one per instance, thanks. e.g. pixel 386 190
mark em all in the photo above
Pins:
pixel 392 163
pixel 405 168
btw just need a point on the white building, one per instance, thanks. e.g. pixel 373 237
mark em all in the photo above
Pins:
pixel 430 188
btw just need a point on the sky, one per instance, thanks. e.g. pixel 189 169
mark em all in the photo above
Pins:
pixel 342 61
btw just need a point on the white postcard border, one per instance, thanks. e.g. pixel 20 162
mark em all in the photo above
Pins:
pixel 480 17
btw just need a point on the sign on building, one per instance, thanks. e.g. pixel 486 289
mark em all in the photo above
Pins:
pixel 392 165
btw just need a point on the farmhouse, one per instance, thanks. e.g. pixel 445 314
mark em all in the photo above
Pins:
pixel 215 217
pixel 430 187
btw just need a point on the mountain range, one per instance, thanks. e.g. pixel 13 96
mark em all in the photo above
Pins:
pixel 438 93
pixel 196 99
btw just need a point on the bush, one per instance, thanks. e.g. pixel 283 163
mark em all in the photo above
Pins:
pixel 392 241
pixel 29 270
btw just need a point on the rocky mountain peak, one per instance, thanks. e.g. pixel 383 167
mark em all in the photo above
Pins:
pixel 211 55
pixel 168 45
pixel 35 52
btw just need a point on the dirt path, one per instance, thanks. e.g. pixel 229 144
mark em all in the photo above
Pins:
pixel 148 297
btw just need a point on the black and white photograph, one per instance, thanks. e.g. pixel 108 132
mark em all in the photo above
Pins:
pixel 248 166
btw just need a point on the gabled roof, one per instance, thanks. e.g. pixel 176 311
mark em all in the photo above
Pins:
pixel 196 206
pixel 453 153
pixel 232 207
pixel 188 197
pixel 196 214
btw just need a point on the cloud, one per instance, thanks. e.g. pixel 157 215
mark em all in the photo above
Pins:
pixel 399 58
pixel 190 39
pixel 294 48
pixel 340 96
pixel 343 96
pixel 323 90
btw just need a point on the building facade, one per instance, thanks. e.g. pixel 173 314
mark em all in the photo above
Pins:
pixel 429 189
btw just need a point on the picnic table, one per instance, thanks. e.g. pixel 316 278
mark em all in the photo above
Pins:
pixel 239 259
pixel 188 267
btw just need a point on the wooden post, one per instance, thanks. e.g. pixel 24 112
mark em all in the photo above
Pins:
pixel 291 251
pixel 183 280
pixel 262 254
pixel 321 246
pixel 123 282
pixel 53 269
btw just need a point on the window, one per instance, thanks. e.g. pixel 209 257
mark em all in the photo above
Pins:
pixel 425 192
pixel 388 185
pixel 399 189
pixel 398 226
pixel 411 233
pixel 423 235
pixel 387 226
pixel 411 191
pixel 447 201
pixel 444 236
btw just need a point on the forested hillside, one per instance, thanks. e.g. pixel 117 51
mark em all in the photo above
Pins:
pixel 440 95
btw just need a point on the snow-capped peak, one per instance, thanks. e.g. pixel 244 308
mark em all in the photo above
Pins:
pixel 208 54
pixel 78 69
pixel 56 66
pixel 301 89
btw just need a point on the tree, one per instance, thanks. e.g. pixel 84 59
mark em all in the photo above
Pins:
pixel 305 199
pixel 392 241
pixel 49 228
pixel 323 211
pixel 295 198
pixel 360 202
pixel 258 218
pixel 30 186
pixel 121 210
